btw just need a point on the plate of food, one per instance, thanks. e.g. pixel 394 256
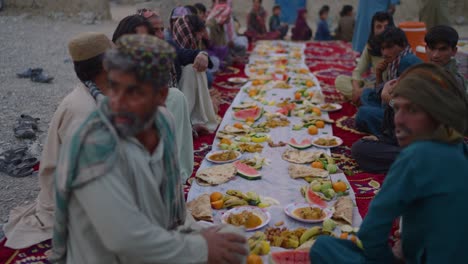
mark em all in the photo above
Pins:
pixel 237 80
pixel 307 213
pixel 330 107
pixel 223 156
pixel 250 217
pixel 327 142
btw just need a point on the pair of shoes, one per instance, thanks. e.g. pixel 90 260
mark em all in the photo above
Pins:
pixel 17 162
pixel 26 127
pixel 35 75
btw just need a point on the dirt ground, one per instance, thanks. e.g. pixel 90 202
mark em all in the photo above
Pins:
pixel 29 41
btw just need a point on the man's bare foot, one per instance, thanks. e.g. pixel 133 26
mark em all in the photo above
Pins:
pixel 356 97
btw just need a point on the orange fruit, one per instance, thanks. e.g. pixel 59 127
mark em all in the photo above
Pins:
pixel 254 259
pixel 216 196
pixel 340 186
pixel 317 164
pixel 309 83
pixel 226 141
pixel 311 94
pixel 303 71
pixel 217 204
pixel 316 110
pixel 353 238
pixel 313 130
pixel 250 119
pixel 252 93
pixel 320 124
pixel 256 82
pixel 297 96
pixel 238 125
pixel 344 235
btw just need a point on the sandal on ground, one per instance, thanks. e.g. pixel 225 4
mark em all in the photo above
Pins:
pixel 41 78
pixel 24 131
pixel 29 72
pixel 19 172
pixel 27 119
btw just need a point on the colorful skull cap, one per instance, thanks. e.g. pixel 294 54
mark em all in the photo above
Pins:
pixel 154 57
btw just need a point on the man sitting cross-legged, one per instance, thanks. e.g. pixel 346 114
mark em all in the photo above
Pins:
pixel 120 199
pixel 426 184
pixel 33 223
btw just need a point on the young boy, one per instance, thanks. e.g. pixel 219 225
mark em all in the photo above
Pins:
pixel 441 48
pixel 275 22
pixel 345 28
pixel 323 32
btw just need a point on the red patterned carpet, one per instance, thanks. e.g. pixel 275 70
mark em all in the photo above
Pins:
pixel 326 60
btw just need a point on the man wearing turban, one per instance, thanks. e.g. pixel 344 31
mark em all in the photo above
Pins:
pixel 121 199
pixel 426 185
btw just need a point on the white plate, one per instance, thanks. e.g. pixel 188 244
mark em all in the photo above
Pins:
pixel 337 107
pixel 338 140
pixel 262 213
pixel 289 211
pixel 237 80
pixel 221 151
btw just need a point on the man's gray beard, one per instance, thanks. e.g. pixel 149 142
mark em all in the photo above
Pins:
pixel 131 130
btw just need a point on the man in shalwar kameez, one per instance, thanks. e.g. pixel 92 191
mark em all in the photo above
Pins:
pixel 426 185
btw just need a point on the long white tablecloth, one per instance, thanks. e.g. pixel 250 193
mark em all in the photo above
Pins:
pixel 275 182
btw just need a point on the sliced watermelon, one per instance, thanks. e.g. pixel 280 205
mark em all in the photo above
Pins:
pixel 313 198
pixel 254 113
pixel 247 172
pixel 306 143
pixel 289 257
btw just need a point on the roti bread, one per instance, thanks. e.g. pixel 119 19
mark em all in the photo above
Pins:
pixel 301 171
pixel 200 208
pixel 300 156
pixel 216 175
pixel 343 210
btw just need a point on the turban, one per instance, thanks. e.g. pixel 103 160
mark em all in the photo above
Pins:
pixel 152 56
pixel 438 93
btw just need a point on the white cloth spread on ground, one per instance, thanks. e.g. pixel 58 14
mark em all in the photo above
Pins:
pixel 275 182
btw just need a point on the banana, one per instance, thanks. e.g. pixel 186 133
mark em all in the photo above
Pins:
pixel 311 232
pixel 233 202
pixel 257 249
pixel 238 194
pixel 253 198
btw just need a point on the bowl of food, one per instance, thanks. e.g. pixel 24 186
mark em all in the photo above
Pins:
pixel 223 156
pixel 327 142
pixel 250 217
pixel 307 213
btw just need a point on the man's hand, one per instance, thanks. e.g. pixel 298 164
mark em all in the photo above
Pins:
pixel 387 91
pixel 371 138
pixel 379 69
pixel 224 247
pixel 357 91
pixel 200 64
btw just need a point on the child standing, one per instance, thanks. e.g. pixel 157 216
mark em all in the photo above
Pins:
pixel 345 28
pixel 275 22
pixel 323 32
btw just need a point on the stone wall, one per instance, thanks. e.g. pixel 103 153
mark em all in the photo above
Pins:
pixel 86 9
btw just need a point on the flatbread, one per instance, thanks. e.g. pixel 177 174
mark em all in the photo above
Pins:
pixel 200 208
pixel 300 156
pixel 301 171
pixel 216 175
pixel 343 210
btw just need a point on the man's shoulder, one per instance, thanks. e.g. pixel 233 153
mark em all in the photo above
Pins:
pixel 78 100
pixel 428 150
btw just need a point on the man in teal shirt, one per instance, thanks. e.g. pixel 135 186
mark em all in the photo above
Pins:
pixel 426 185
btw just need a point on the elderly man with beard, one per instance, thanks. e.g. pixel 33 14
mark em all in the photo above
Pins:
pixel 426 185
pixel 121 198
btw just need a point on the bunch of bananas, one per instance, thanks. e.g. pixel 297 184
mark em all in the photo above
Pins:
pixel 235 198
pixel 258 244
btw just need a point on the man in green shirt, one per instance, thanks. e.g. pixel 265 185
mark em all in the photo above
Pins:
pixel 426 185
pixel 119 197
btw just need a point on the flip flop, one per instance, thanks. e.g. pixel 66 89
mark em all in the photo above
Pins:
pixel 19 172
pixel 24 131
pixel 27 119
pixel 27 162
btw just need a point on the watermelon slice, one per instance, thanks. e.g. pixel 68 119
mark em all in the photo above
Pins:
pixel 289 257
pixel 313 198
pixel 247 172
pixel 254 113
pixel 306 143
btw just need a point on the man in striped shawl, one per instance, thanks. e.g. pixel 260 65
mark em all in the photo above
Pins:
pixel 120 197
